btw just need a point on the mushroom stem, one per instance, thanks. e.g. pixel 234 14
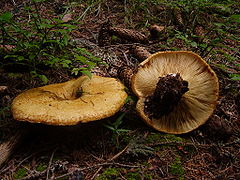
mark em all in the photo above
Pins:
pixel 166 96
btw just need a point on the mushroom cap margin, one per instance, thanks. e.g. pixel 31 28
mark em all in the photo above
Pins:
pixel 56 104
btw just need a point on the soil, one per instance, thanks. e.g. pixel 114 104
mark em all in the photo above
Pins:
pixel 169 90
pixel 129 149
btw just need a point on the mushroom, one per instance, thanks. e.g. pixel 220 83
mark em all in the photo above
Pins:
pixel 80 100
pixel 177 91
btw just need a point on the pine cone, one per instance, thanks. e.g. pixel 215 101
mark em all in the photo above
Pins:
pixel 178 16
pixel 200 32
pixel 217 128
pixel 156 31
pixel 104 38
pixel 125 74
pixel 129 35
pixel 140 53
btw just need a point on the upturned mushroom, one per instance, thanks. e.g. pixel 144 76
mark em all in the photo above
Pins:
pixel 77 101
pixel 177 91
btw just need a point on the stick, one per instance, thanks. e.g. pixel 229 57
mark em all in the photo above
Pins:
pixel 50 162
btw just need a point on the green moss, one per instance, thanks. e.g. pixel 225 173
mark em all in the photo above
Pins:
pixel 158 137
pixel 133 176
pixel 148 177
pixel 109 173
pixel 15 75
pixel 154 137
pixel 22 172
pixel 138 174
pixel 41 167
pixel 114 38
pixel 171 137
pixel 176 168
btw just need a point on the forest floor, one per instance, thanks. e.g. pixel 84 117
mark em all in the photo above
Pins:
pixel 131 150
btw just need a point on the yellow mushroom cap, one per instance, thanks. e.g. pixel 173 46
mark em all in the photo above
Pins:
pixel 195 106
pixel 60 104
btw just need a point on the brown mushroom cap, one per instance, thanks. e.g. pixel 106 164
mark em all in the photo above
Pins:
pixel 72 102
pixel 195 106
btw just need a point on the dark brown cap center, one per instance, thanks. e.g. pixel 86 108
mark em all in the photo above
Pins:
pixel 166 96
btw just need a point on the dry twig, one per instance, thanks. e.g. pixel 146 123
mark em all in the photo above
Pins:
pixel 50 162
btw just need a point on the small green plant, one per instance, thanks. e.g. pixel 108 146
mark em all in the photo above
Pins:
pixel 185 37
pixel 115 128
pixel 177 169
pixel 41 43
pixel 235 77
pixel 22 172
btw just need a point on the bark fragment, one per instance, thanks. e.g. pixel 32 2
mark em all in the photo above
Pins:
pixel 104 38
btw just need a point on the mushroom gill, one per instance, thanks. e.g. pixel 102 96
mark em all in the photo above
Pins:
pixel 177 91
